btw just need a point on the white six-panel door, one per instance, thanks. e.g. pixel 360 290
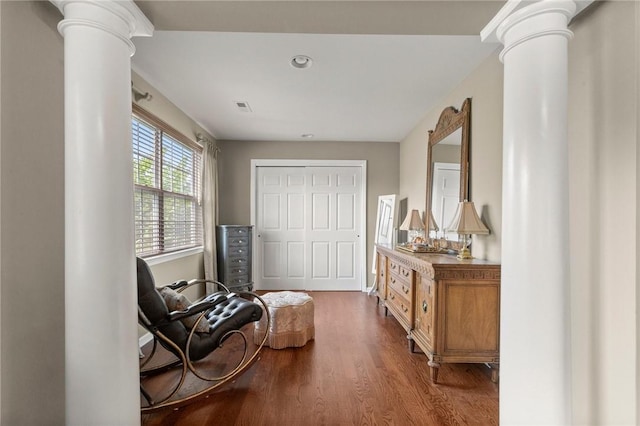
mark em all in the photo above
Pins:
pixel 308 222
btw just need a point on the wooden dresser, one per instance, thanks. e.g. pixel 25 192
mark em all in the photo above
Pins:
pixel 450 308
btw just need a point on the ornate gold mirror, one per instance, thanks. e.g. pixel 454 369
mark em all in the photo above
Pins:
pixel 447 169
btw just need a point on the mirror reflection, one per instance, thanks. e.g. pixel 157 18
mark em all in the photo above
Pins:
pixel 447 169
pixel 445 190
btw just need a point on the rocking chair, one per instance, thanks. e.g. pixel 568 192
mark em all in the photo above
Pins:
pixel 209 323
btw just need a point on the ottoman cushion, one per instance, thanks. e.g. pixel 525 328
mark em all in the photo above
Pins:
pixel 291 320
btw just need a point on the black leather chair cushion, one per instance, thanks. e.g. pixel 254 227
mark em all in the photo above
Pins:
pixel 231 314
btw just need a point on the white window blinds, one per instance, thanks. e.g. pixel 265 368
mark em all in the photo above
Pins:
pixel 166 177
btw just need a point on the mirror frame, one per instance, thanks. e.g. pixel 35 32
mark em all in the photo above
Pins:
pixel 450 120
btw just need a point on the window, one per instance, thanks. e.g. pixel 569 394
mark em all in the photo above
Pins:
pixel 166 177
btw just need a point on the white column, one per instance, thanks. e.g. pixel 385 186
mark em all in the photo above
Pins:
pixel 100 285
pixel 535 381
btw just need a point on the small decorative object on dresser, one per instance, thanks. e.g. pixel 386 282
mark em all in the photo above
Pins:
pixel 234 256
pixel 449 307
pixel 413 224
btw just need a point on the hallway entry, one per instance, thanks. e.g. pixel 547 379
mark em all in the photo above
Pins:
pixel 309 226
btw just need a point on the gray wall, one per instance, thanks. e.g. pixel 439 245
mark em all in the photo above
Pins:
pixel 235 174
pixel 32 216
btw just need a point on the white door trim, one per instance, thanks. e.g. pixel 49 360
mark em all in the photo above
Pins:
pixel 318 163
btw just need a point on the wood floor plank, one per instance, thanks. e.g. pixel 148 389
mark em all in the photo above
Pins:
pixel 357 371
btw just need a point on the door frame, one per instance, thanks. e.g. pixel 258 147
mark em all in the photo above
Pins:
pixel 255 163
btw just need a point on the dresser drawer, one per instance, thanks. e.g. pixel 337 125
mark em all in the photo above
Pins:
pixel 399 270
pixel 401 285
pixel 400 306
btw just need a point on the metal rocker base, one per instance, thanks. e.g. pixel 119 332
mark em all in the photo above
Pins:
pixel 178 371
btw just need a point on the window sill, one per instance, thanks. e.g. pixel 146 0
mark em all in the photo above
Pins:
pixel 168 257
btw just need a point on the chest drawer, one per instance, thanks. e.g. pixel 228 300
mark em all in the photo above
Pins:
pixel 236 261
pixel 237 270
pixel 238 251
pixel 239 232
pixel 238 241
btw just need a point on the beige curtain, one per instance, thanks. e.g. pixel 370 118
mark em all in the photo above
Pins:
pixel 210 209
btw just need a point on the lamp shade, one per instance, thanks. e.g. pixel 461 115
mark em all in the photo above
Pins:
pixel 466 220
pixel 412 221
pixel 432 223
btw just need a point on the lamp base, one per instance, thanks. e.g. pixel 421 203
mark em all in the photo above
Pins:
pixel 464 253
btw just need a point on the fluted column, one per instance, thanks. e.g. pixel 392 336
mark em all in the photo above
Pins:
pixel 100 286
pixel 535 369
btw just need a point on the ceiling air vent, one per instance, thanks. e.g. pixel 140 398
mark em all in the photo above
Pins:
pixel 243 106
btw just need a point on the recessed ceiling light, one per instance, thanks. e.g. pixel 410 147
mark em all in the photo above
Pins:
pixel 301 61
pixel 307 135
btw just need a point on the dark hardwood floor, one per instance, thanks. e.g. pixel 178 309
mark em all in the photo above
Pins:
pixel 357 371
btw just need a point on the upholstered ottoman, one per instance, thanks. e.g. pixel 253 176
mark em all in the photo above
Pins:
pixel 291 320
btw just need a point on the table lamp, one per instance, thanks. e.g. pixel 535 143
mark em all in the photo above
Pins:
pixel 466 222
pixel 413 224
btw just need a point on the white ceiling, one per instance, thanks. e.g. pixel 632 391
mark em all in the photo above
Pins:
pixel 361 87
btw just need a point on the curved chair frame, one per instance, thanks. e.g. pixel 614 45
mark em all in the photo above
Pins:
pixel 183 360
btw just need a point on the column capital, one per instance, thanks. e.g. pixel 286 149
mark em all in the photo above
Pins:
pixel 544 17
pixel 122 19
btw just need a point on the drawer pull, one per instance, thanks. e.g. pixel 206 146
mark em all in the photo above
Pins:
pixel 405 309
pixel 405 289
pixel 393 280
pixel 425 306
pixel 405 272
pixel 392 296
